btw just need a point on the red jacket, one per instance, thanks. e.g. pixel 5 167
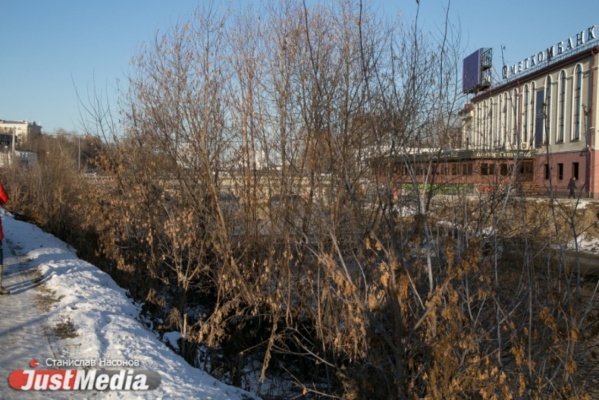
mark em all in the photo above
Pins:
pixel 3 200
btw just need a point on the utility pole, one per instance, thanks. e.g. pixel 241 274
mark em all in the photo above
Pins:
pixel 14 135
pixel 79 151
pixel 13 152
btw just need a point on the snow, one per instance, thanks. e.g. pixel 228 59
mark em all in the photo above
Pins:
pixel 105 320
pixel 589 245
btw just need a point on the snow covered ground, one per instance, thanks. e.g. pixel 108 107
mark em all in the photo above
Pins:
pixel 97 321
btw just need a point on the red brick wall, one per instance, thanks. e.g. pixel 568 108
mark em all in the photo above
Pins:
pixel 560 186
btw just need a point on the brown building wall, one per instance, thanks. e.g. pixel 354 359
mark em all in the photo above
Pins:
pixel 553 172
pixel 485 175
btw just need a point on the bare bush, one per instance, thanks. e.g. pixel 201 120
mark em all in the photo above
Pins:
pixel 243 180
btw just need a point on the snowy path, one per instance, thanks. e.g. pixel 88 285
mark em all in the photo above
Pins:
pixel 65 309
pixel 22 334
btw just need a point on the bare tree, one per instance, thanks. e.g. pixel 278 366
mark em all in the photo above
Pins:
pixel 258 168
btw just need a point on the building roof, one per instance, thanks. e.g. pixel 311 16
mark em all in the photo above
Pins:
pixel 2 121
pixel 539 71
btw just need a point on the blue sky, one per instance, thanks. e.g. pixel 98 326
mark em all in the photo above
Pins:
pixel 51 49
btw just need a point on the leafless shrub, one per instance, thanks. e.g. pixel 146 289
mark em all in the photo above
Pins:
pixel 243 178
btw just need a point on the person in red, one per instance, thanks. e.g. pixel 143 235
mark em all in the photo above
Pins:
pixel 3 200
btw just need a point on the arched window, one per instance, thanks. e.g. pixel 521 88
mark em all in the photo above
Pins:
pixel 498 142
pixel 547 110
pixel 532 112
pixel 504 127
pixel 525 114
pixel 561 108
pixel 487 123
pixel 491 132
pixel 514 122
pixel 479 116
pixel 577 104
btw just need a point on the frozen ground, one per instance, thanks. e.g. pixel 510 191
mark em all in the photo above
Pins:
pixel 63 308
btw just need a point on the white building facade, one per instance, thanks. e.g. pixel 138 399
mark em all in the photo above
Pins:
pixel 546 110
pixel 21 130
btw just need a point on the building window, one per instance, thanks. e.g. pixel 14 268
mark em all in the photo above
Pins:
pixel 467 169
pixel 498 142
pixel 547 110
pixel 514 122
pixel 487 169
pixel 503 169
pixel 479 126
pixel 547 174
pixel 560 171
pixel 532 111
pixel 587 115
pixel 504 123
pixel 486 125
pixel 526 167
pixel 525 115
pixel 575 170
pixel 562 107
pixel 577 102
pixel 491 125
pixel 484 169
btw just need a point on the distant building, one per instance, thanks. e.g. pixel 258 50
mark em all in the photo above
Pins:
pixel 12 135
pixel 536 127
pixel 18 157
pixel 23 131
pixel 545 113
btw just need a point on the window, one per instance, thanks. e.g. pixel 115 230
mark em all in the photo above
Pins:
pixel 547 110
pixel 504 129
pixel 514 122
pixel 467 169
pixel 577 102
pixel 525 115
pixel 442 169
pixel 575 170
pixel 484 169
pixel 488 125
pixel 587 115
pixel 561 107
pixel 547 174
pixel 503 169
pixel 491 169
pixel 491 136
pixel 499 117
pixel 532 111
pixel 479 116
pixel 560 171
